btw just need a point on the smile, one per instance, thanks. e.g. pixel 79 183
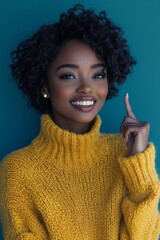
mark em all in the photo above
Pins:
pixel 83 103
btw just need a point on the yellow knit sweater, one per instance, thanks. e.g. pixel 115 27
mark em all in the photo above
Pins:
pixel 67 186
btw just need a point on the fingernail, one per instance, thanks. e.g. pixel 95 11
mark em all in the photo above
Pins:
pixel 127 95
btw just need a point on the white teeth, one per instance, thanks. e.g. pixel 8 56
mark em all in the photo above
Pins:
pixel 83 103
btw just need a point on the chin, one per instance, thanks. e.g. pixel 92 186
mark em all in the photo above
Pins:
pixel 86 119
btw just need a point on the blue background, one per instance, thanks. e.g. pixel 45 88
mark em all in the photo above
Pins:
pixel 140 21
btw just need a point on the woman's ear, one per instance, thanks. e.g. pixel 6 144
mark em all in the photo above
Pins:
pixel 45 92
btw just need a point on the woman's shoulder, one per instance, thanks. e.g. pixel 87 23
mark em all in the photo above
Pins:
pixel 16 160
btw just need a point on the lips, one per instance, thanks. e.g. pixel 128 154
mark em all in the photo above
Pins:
pixel 83 103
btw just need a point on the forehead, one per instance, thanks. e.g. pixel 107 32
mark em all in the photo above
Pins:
pixel 76 52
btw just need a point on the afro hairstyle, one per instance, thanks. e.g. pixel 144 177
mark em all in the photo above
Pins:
pixel 33 57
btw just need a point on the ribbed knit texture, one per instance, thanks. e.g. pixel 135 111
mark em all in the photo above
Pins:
pixel 67 186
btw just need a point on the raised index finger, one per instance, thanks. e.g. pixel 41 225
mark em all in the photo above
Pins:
pixel 128 107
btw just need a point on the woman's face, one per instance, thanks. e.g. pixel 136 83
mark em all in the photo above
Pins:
pixel 77 87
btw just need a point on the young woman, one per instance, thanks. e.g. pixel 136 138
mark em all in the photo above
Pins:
pixel 73 182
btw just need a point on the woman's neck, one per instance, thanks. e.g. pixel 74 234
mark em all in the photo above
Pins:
pixel 73 126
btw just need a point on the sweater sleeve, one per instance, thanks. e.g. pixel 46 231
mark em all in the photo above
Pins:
pixel 140 206
pixel 20 218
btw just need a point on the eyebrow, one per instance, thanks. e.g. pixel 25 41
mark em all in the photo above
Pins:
pixel 76 66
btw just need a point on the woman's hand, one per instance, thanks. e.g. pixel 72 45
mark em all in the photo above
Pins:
pixel 133 131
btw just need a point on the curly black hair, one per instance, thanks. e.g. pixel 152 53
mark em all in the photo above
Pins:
pixel 31 60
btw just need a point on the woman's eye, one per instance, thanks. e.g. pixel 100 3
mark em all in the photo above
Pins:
pixel 99 76
pixel 67 76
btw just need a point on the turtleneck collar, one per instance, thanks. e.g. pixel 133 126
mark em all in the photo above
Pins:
pixel 54 141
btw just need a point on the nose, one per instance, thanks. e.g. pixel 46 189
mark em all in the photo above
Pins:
pixel 85 87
